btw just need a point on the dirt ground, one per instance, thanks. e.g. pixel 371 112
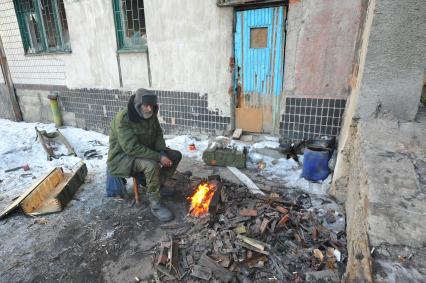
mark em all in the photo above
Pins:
pixel 95 239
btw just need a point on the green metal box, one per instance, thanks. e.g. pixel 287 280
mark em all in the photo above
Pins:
pixel 225 157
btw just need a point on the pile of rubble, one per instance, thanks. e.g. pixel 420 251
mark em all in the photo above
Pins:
pixel 252 238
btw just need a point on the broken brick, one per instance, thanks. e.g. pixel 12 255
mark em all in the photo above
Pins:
pixel 282 209
pixel 283 220
pixel 248 212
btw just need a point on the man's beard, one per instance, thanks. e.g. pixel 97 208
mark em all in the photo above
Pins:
pixel 147 115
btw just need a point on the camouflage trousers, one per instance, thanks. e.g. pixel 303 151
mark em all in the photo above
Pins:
pixel 154 174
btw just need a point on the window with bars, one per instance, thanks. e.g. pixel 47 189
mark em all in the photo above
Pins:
pixel 43 25
pixel 130 24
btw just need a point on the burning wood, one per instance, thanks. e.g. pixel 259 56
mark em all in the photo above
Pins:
pixel 205 198
pixel 276 236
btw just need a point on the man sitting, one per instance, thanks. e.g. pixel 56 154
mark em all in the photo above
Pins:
pixel 137 147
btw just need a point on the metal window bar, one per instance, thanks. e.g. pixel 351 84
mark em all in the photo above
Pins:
pixel 130 24
pixel 43 25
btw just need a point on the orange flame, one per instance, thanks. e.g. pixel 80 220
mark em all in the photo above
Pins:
pixel 201 199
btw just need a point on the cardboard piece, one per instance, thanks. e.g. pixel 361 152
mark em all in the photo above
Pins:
pixel 249 119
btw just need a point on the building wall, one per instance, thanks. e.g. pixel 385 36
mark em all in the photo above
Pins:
pixel 377 150
pixel 93 61
pixel 320 48
pixel 190 46
pixel 395 62
pixel 35 69
pixel 192 43
pixel 390 69
pixel 196 36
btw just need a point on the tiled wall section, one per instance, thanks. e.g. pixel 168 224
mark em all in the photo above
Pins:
pixel 179 111
pixel 305 118
pixel 184 111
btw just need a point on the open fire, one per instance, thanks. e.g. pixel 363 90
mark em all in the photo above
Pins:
pixel 200 200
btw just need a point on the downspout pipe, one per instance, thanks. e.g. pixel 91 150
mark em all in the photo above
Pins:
pixel 55 110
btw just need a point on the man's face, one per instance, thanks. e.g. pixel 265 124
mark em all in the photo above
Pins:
pixel 146 108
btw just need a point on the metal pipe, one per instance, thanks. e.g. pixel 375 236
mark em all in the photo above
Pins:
pixel 55 110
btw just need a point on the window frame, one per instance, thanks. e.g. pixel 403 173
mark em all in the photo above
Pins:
pixel 29 48
pixel 119 30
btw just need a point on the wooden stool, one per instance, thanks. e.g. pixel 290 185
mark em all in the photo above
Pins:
pixel 136 191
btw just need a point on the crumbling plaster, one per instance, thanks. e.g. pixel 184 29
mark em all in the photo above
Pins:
pixel 320 45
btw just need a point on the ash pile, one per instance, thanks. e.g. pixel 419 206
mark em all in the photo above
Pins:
pixel 244 237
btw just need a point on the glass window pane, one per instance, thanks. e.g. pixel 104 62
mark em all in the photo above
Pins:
pixel 133 21
pixel 64 23
pixel 259 37
pixel 49 24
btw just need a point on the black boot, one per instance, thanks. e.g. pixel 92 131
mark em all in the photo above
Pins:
pixel 161 212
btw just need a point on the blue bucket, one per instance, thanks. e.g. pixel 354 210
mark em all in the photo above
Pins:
pixel 315 164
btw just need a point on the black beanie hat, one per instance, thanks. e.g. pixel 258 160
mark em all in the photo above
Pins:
pixel 145 96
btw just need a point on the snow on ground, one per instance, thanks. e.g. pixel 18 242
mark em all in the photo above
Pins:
pixel 18 146
pixel 182 144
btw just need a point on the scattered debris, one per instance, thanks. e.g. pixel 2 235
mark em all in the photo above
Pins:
pixel 51 143
pixel 292 150
pixel 25 167
pixel 318 254
pixel 330 217
pixel 253 238
pixel 322 276
pixel 92 153
pixel 237 134
pixel 40 220
pixel 192 147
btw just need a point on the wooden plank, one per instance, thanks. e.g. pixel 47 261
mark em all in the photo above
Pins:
pixel 53 196
pixel 219 271
pixel 43 192
pixel 249 247
pixel 246 180
pixel 256 243
pixel 50 193
pixel 16 203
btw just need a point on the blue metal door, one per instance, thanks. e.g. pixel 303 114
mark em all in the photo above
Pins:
pixel 259 63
